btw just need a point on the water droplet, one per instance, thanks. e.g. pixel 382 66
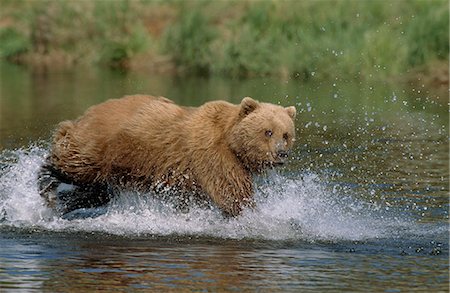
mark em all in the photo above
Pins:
pixel 394 97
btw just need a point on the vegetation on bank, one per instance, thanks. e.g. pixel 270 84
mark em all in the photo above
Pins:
pixel 301 39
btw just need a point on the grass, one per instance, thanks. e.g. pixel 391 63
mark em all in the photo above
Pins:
pixel 188 42
pixel 301 39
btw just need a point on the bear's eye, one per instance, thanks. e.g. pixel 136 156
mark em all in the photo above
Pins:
pixel 269 133
pixel 285 136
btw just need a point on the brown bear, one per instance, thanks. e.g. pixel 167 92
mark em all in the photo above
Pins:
pixel 148 142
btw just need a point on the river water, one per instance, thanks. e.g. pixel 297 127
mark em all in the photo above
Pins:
pixel 362 204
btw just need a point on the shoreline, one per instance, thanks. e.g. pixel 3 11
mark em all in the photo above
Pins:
pixel 362 40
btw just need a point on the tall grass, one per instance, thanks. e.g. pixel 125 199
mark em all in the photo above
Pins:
pixel 301 39
pixel 188 42
pixel 106 32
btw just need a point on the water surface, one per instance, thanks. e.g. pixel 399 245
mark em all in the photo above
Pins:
pixel 362 204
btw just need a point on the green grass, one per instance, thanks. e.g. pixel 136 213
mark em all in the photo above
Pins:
pixel 13 43
pixel 303 39
pixel 188 42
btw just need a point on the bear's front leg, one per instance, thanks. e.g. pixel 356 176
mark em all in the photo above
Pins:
pixel 231 195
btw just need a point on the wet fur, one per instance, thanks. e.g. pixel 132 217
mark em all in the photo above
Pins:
pixel 147 142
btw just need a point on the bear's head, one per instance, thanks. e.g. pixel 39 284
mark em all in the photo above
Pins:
pixel 263 134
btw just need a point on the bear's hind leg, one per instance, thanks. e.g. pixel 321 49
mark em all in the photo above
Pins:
pixel 69 200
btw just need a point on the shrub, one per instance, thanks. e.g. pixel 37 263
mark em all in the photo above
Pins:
pixel 188 42
pixel 12 43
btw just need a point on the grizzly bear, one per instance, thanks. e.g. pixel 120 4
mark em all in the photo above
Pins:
pixel 149 143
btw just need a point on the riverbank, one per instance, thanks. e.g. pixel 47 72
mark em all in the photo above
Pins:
pixel 298 39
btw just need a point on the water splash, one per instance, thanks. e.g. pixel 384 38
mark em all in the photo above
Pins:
pixel 299 208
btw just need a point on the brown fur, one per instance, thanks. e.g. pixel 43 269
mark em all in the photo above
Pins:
pixel 146 142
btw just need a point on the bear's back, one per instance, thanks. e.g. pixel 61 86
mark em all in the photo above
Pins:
pixel 90 136
pixel 106 119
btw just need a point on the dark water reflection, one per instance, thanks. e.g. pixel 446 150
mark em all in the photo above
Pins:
pixel 87 262
pixel 384 144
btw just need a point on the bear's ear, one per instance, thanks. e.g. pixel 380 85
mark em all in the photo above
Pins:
pixel 291 112
pixel 248 105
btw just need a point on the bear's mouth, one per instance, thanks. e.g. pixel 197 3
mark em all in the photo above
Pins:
pixel 272 164
pixel 278 163
pixel 277 160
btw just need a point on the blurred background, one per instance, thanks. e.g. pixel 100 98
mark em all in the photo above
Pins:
pixel 298 39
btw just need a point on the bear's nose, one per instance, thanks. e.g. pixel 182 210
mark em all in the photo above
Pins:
pixel 282 154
